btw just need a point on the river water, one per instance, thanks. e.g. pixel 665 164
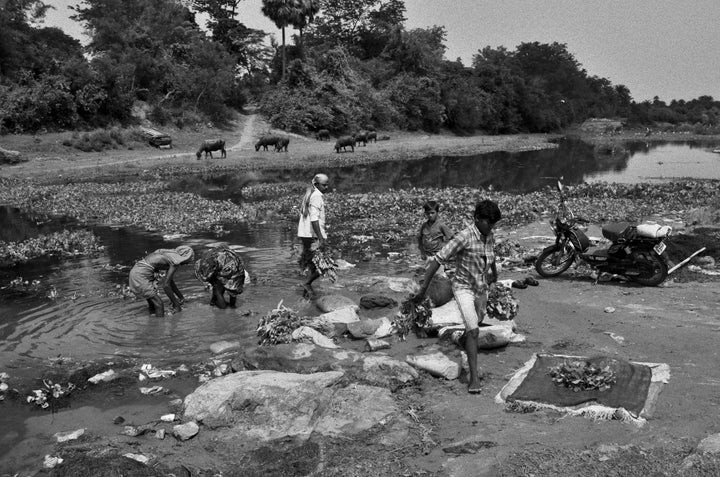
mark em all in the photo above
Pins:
pixel 76 311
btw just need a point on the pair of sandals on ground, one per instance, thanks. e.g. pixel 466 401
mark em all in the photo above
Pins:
pixel 525 282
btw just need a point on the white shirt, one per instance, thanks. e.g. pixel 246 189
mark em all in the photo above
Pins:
pixel 316 211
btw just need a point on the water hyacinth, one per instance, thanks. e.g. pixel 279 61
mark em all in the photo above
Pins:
pixel 64 244
pixel 148 205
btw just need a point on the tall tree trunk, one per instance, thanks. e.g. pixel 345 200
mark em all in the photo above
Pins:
pixel 283 53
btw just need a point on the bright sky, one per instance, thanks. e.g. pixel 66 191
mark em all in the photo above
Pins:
pixel 665 48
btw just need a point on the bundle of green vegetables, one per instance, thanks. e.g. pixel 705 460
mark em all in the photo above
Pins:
pixel 278 325
pixel 501 304
pixel 412 316
pixel 325 264
pixel 582 376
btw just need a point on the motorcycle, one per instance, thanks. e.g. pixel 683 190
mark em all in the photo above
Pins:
pixel 636 251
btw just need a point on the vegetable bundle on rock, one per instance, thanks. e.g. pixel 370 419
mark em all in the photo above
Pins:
pixel 278 325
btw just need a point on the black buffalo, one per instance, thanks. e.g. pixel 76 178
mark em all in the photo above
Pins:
pixel 360 137
pixel 265 141
pixel 371 136
pixel 343 142
pixel 323 135
pixel 282 143
pixel 210 145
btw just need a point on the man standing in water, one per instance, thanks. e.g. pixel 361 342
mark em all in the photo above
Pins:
pixel 473 249
pixel 142 280
pixel 311 228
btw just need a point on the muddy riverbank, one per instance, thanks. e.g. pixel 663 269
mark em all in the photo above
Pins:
pixel 446 431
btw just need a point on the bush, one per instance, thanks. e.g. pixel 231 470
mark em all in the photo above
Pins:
pixel 100 139
pixel 159 115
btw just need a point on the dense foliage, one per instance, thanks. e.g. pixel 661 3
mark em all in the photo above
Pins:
pixel 352 66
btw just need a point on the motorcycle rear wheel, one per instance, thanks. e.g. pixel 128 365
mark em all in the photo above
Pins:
pixel 654 269
pixel 553 261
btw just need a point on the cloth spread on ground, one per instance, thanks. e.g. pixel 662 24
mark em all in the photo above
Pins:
pixel 631 397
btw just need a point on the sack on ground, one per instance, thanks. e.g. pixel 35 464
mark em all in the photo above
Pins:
pixel 305 333
pixel 437 364
pixel 489 337
pixel 440 290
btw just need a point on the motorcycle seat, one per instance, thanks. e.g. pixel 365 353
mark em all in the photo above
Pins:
pixel 617 230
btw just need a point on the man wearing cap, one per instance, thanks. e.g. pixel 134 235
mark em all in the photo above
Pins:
pixel 311 228
pixel 143 277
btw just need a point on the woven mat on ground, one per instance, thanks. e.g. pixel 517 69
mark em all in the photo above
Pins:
pixel 632 397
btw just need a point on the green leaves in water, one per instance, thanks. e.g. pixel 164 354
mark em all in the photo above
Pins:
pixel 62 244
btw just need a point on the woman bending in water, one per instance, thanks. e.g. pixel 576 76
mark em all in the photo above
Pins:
pixel 224 270
pixel 143 279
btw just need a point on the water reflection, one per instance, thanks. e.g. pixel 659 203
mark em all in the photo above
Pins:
pixel 653 162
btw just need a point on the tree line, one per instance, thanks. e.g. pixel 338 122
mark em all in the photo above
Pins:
pixel 352 64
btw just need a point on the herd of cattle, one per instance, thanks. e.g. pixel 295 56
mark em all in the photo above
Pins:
pixel 280 143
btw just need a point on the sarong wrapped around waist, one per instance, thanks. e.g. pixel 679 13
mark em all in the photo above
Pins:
pixel 142 279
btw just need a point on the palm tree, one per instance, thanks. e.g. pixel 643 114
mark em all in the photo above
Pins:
pixel 306 11
pixel 282 13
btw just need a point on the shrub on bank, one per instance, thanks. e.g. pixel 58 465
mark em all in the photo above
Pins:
pixel 102 139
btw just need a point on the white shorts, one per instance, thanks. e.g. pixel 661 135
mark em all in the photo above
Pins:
pixel 472 306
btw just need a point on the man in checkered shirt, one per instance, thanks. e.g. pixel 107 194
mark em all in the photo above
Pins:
pixel 473 249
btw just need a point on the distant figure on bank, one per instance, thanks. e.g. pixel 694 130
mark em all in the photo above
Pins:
pixel 143 277
pixel 224 271
pixel 311 228
pixel 433 232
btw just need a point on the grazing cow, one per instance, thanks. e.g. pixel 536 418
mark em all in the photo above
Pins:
pixel 282 143
pixel 360 137
pixel 371 136
pixel 265 141
pixel 344 142
pixel 323 135
pixel 210 145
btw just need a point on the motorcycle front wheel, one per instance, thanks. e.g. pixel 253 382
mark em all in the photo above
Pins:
pixel 554 260
pixel 653 269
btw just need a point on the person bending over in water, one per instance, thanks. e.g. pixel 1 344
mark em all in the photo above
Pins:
pixel 143 279
pixel 224 270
